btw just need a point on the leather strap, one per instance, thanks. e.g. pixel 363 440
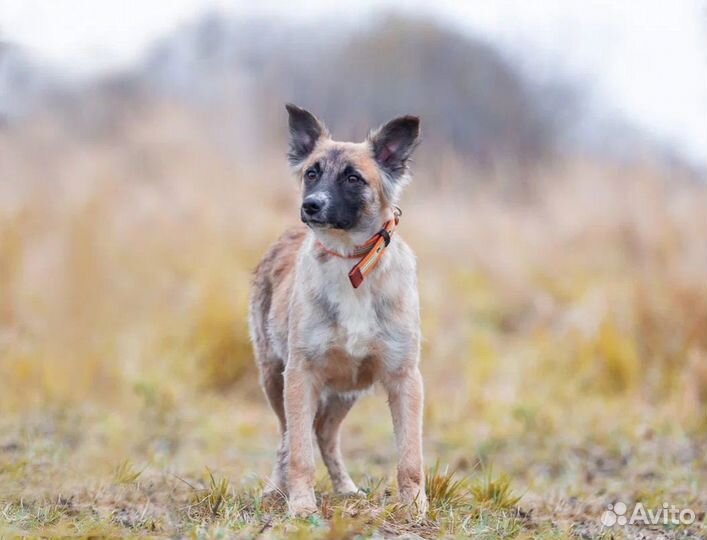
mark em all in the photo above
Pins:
pixel 371 251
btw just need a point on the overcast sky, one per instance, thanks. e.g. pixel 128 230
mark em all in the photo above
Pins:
pixel 646 59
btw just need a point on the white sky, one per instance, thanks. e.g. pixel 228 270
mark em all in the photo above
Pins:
pixel 646 58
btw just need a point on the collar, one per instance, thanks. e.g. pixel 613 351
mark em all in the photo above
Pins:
pixel 370 251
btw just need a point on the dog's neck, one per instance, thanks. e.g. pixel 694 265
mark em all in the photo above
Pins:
pixel 348 243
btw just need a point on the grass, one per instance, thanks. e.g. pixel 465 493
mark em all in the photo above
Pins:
pixel 494 493
pixel 564 352
pixel 125 473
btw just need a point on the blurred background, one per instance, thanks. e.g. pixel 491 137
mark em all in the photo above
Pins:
pixel 558 212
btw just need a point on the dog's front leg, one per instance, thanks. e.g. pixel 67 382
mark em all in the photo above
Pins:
pixel 300 407
pixel 406 397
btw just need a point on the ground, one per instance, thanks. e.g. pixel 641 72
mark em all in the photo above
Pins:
pixel 196 469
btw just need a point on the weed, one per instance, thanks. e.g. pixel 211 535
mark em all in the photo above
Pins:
pixel 494 493
pixel 125 473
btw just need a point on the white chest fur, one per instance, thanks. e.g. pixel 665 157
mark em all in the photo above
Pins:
pixel 356 325
pixel 332 315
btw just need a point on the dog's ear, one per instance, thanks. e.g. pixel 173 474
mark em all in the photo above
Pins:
pixel 393 144
pixel 305 131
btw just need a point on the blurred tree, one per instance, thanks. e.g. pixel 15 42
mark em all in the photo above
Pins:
pixel 472 100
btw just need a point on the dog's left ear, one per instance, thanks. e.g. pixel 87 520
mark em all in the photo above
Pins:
pixel 305 131
pixel 393 144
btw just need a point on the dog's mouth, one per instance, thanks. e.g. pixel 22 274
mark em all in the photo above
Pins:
pixel 315 223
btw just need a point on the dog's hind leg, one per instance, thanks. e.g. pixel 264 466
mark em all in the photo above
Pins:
pixel 272 381
pixel 326 425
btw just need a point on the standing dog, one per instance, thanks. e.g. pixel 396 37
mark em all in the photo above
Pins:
pixel 323 332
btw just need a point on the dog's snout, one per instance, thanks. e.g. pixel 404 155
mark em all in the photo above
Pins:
pixel 312 206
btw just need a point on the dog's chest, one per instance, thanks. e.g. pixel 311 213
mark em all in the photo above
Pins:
pixel 346 328
pixel 354 329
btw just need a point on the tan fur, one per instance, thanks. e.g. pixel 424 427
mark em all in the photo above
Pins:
pixel 319 343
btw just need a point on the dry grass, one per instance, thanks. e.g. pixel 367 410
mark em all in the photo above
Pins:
pixel 564 353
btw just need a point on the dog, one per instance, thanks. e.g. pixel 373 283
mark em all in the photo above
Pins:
pixel 325 331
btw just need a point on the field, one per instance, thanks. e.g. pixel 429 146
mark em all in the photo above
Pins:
pixel 564 354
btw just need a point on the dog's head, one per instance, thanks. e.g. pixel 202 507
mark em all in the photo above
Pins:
pixel 349 189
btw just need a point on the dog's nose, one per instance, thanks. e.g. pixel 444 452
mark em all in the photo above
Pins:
pixel 311 206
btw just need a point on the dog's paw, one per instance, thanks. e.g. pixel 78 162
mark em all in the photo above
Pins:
pixel 416 501
pixel 346 488
pixel 274 494
pixel 302 504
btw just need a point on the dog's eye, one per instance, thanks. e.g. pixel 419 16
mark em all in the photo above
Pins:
pixel 354 179
pixel 311 174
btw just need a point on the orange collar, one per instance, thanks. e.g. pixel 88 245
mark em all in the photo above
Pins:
pixel 371 250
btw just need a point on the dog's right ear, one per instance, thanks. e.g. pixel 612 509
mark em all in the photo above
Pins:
pixel 305 131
